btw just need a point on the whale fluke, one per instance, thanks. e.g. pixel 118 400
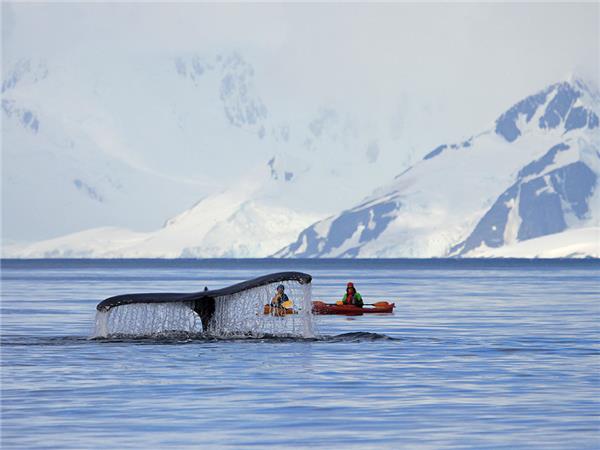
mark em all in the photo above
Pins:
pixel 218 309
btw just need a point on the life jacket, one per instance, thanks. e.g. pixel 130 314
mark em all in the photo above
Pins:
pixel 279 299
pixel 349 300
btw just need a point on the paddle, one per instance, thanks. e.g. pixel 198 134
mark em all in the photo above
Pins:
pixel 378 304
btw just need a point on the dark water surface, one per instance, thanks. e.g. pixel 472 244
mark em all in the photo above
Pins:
pixel 479 354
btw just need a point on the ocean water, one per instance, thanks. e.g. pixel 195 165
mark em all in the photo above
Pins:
pixel 478 354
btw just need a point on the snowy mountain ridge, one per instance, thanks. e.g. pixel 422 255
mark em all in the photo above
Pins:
pixel 534 173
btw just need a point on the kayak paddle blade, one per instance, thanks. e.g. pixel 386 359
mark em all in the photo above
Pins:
pixel 381 304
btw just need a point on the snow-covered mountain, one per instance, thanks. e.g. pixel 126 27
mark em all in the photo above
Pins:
pixel 534 173
pixel 132 143
pixel 66 165
pixel 530 179
pixel 238 222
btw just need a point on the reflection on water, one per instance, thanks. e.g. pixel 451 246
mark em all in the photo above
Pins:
pixel 477 354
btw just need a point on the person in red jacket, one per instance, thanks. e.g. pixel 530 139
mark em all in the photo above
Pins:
pixel 351 297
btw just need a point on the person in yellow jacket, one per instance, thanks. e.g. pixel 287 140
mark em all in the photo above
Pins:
pixel 280 298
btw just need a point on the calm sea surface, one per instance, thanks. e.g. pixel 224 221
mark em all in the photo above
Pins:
pixel 479 354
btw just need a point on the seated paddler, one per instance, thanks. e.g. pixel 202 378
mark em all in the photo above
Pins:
pixel 280 297
pixel 352 297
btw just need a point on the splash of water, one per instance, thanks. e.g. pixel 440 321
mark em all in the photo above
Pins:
pixel 146 319
pixel 236 315
pixel 242 313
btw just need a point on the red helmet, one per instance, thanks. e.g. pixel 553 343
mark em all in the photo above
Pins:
pixel 350 284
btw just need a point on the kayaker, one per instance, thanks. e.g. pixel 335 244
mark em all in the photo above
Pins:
pixel 280 298
pixel 351 297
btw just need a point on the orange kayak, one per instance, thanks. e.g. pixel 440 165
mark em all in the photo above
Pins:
pixel 351 310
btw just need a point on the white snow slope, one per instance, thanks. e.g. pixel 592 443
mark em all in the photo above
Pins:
pixel 534 173
pixel 134 142
pixel 238 222
pixel 575 243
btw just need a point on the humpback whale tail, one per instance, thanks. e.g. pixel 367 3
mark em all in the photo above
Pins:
pixel 235 310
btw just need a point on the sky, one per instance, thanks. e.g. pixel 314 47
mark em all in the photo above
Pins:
pixel 422 73
pixel 465 62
